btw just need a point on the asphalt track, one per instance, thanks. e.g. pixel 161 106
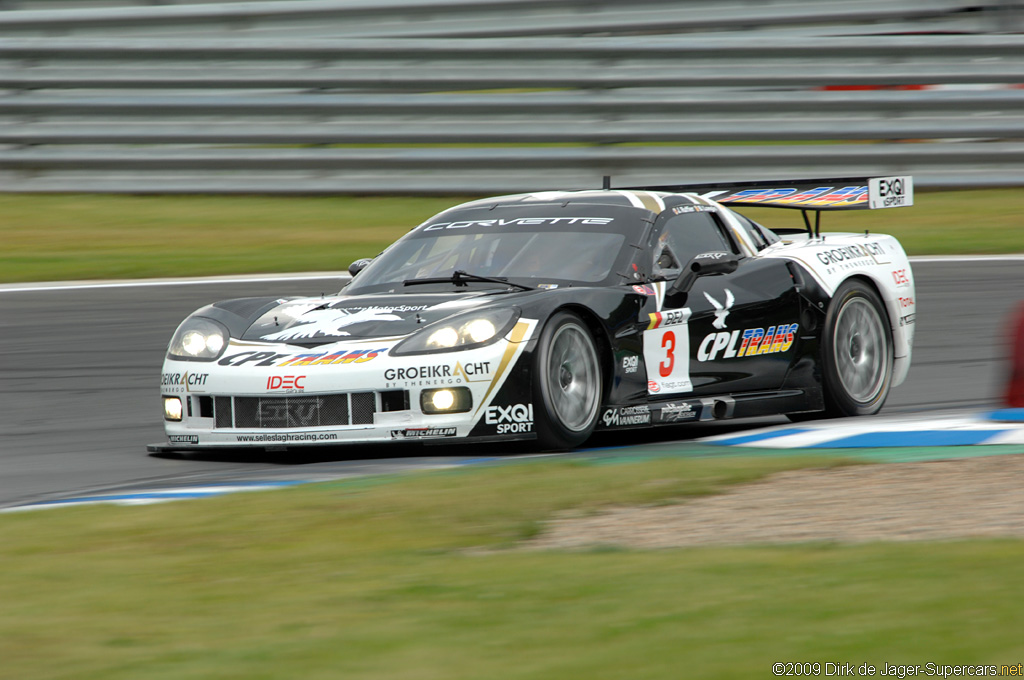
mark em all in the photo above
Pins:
pixel 80 367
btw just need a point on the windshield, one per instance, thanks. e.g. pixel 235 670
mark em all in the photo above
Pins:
pixel 539 250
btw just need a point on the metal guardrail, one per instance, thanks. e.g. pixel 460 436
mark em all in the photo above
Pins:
pixel 243 115
pixel 498 18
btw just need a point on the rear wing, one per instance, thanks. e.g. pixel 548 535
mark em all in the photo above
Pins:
pixel 843 193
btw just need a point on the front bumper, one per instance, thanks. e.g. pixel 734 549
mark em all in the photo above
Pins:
pixel 273 395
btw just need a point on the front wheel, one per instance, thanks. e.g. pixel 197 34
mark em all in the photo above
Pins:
pixel 857 351
pixel 567 383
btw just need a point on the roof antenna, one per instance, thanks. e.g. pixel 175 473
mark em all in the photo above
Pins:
pixel 607 185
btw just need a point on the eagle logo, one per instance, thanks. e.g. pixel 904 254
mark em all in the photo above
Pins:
pixel 329 322
pixel 721 311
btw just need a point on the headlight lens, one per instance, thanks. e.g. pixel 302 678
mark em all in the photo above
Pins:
pixel 465 331
pixel 198 338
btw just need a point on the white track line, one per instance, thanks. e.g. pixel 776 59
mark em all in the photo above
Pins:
pixel 341 276
pixel 147 283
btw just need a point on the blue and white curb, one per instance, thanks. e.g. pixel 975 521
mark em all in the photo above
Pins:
pixel 1005 427
pixel 193 491
pixel 152 496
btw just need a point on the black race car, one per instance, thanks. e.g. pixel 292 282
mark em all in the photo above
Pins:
pixel 551 315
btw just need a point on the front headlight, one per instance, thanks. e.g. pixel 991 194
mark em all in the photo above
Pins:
pixel 465 331
pixel 199 339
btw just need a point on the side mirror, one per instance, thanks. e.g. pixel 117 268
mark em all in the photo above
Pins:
pixel 704 264
pixel 359 265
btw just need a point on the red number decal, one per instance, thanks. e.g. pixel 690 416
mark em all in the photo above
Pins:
pixel 669 340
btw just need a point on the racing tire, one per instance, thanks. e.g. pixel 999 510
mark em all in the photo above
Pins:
pixel 567 383
pixel 857 352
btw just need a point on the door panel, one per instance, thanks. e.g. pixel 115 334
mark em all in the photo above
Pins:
pixel 737 333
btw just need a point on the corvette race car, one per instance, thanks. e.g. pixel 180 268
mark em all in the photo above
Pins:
pixel 553 315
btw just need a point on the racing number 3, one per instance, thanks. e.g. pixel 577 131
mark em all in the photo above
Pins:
pixel 667 357
pixel 668 343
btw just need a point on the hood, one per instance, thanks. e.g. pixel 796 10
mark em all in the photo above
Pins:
pixel 317 321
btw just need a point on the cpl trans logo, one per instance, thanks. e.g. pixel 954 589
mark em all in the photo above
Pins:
pixel 755 341
pixel 510 419
pixel 182 382
pixel 627 415
pixel 358 356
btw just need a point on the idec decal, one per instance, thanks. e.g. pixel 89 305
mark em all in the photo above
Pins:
pixel 901 277
pixel 292 383
pixel 755 341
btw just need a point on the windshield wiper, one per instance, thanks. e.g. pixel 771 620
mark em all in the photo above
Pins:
pixel 461 278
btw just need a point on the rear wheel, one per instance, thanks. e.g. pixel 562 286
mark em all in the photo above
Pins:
pixel 567 383
pixel 857 351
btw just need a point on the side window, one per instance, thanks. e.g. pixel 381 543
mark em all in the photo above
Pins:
pixel 760 236
pixel 684 236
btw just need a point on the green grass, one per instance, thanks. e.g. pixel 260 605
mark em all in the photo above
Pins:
pixel 66 237
pixel 412 579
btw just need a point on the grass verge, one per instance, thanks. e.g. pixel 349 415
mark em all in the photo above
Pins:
pixel 365 579
pixel 66 237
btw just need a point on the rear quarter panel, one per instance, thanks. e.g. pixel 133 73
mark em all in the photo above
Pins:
pixel 878 258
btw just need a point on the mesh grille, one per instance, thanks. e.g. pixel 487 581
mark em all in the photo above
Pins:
pixel 285 412
pixel 364 405
pixel 222 411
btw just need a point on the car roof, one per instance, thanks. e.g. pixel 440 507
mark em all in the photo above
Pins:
pixel 653 201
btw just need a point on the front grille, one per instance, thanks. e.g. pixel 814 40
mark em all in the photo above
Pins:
pixel 222 411
pixel 299 411
pixel 364 404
